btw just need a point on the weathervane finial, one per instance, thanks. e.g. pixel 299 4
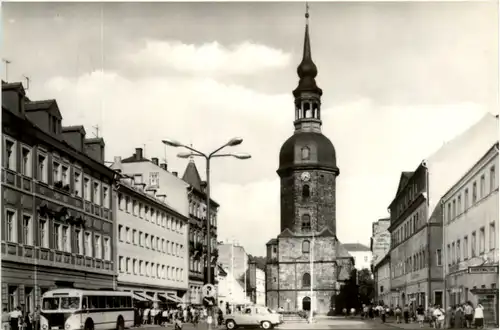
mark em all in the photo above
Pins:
pixel 307 12
pixel 191 158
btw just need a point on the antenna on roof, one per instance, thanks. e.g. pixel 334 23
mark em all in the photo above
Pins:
pixel 28 79
pixel 7 62
pixel 96 133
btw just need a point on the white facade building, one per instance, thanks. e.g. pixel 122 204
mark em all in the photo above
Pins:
pixel 231 290
pixel 470 236
pixel 382 276
pixel 361 254
pixel 260 287
pixel 152 230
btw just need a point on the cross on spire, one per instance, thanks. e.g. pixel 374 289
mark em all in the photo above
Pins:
pixel 191 157
pixel 307 12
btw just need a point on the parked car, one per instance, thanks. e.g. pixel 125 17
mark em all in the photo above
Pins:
pixel 252 316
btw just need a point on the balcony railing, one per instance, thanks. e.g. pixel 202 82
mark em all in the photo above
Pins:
pixel 50 257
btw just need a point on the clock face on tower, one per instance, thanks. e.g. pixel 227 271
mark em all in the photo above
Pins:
pixel 305 176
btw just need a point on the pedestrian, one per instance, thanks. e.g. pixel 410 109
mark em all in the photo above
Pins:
pixel 479 316
pixel 439 314
pixel 5 319
pixel 16 317
pixel 383 314
pixel 459 317
pixel 420 315
pixel 406 313
pixel 398 312
pixel 469 314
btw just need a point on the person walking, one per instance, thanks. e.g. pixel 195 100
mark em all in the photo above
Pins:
pixel 420 315
pixel 406 313
pixel 469 314
pixel 479 316
pixel 15 318
pixel 459 317
pixel 439 314
pixel 397 313
pixel 5 319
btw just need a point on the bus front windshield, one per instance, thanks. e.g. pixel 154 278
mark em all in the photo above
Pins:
pixel 55 303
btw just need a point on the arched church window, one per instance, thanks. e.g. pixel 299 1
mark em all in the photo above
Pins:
pixel 306 222
pixel 305 153
pixel 306 247
pixel 306 280
pixel 306 191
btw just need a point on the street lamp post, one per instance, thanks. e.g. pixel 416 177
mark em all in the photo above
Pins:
pixel 208 157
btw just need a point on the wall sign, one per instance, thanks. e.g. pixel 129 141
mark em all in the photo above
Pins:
pixel 483 269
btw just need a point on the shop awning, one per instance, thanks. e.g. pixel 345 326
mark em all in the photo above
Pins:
pixel 150 297
pixel 175 298
pixel 145 297
pixel 137 297
pixel 167 297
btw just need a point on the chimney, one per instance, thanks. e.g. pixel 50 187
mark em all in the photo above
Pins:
pixel 175 173
pixel 94 148
pixel 164 166
pixel 138 153
pixel 155 161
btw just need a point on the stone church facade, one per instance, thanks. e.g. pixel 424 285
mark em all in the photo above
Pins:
pixel 306 264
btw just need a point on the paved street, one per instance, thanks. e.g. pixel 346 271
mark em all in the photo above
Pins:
pixel 326 323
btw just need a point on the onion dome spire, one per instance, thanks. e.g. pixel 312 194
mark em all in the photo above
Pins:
pixel 307 70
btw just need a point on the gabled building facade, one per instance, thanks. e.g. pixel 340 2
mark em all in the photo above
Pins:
pixel 361 253
pixel 57 210
pixel 198 232
pixel 382 279
pixel 380 242
pixel 470 217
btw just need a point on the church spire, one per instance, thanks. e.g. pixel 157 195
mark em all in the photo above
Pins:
pixel 307 70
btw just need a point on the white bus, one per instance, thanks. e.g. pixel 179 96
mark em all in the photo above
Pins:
pixel 75 309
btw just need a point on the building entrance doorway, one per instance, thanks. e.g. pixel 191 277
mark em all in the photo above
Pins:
pixel 306 304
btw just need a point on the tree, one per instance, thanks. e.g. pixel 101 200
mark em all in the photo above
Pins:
pixel 356 291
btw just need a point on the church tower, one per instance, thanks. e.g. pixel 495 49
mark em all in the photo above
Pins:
pixel 305 262
pixel 307 162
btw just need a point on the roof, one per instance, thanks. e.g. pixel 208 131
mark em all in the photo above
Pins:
pixel 15 85
pixel 355 247
pixel 77 128
pixel 43 105
pixel 192 176
pixel 342 252
pixel 322 151
pixel 492 148
pixel 272 241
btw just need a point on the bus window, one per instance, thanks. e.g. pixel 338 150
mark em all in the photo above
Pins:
pixel 70 302
pixel 129 302
pixel 50 304
pixel 123 302
pixel 84 302
pixel 93 302
pixel 101 301
pixel 116 302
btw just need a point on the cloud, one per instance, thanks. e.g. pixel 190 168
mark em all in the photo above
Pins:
pixel 210 58
pixel 374 143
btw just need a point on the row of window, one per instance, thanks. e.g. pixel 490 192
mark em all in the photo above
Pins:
pixel 455 207
pixel 460 249
pixel 138 209
pixel 133 236
pixel 196 265
pixel 62 173
pixel 150 269
pixel 411 264
pixel 410 195
pixel 408 228
pixel 199 210
pixel 85 243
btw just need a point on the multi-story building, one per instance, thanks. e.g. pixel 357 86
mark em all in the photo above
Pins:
pixel 382 279
pixel 166 220
pixel 230 290
pixel 256 284
pixel 362 255
pixel 380 242
pixel 57 214
pixel 306 261
pixel 234 256
pixel 470 218
pixel 151 245
pixel 416 216
pixel 198 233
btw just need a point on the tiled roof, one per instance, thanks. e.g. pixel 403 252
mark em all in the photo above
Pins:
pixel 342 252
pixel 355 247
pixel 272 241
pixel 192 176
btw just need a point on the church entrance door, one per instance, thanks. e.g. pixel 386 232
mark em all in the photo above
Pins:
pixel 306 304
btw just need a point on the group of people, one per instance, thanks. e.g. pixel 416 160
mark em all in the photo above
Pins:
pixel 455 317
pixel 19 320
pixel 173 315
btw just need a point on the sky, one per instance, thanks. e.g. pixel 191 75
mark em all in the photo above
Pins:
pixel 399 79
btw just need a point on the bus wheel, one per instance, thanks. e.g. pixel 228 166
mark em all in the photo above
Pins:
pixel 120 324
pixel 89 325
